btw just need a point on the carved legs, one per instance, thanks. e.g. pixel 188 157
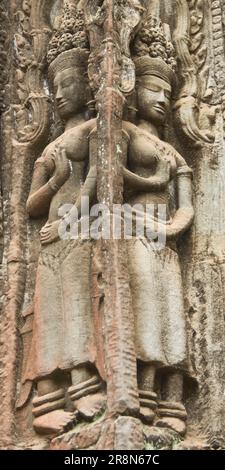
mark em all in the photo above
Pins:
pixel 171 411
pixel 86 393
pixel 147 377
pixel 174 387
pixel 48 408
pixel 80 374
pixel 147 396
pixel 89 400
pixel 46 386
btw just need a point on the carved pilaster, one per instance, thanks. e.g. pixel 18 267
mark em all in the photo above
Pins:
pixel 4 45
pixel 25 126
pixel 217 18
pixel 204 268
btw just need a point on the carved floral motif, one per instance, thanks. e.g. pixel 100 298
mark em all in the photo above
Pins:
pixel 218 31
pixel 192 41
pixel 32 114
pixel 112 152
pixel 104 341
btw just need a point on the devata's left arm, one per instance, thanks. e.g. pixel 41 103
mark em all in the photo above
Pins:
pixel 184 215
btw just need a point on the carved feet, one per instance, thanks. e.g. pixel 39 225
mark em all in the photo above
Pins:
pixel 175 424
pixel 148 405
pixel 91 406
pixel 163 414
pixel 172 415
pixel 89 402
pixel 49 416
pixel 55 422
pixel 88 399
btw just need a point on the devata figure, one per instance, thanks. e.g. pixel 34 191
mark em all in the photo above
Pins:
pixel 63 349
pixel 154 167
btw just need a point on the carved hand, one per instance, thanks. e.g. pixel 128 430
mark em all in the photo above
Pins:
pixel 49 233
pixel 163 171
pixel 62 167
pixel 177 226
pixel 156 182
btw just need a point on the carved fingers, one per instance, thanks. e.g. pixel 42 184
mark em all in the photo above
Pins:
pixel 154 182
pixel 63 166
pixel 163 170
pixel 49 233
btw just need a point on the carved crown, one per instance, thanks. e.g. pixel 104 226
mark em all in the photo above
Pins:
pixel 74 58
pixel 153 53
pixel 146 66
pixel 69 46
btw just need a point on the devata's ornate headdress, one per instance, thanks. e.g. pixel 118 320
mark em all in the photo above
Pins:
pixel 153 52
pixel 69 46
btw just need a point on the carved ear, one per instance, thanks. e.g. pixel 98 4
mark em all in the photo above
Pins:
pixel 130 108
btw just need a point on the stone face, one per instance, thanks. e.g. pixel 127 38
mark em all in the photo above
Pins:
pixel 112 341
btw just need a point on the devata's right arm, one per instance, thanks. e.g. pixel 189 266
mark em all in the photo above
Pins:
pixel 44 186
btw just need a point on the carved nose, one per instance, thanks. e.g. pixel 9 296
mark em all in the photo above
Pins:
pixel 58 94
pixel 162 98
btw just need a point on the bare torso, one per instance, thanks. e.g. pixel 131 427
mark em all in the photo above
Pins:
pixel 76 144
pixel 144 154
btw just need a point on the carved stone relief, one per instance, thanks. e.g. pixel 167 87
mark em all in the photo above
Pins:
pixel 109 336
pixel 193 42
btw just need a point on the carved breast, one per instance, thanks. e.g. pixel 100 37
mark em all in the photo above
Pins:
pixel 143 154
pixel 145 151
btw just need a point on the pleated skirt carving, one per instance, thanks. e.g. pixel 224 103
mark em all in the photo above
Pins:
pixel 157 297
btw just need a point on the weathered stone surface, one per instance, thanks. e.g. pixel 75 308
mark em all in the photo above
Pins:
pixel 82 438
pixel 128 434
pixel 121 434
pixel 108 335
pixel 193 444
pixel 160 437
pixel 177 425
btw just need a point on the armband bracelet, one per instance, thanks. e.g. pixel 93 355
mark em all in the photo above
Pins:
pixel 185 171
pixel 53 185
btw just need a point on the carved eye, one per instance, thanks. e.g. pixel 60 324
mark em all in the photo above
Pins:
pixel 167 94
pixel 67 82
pixel 153 88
